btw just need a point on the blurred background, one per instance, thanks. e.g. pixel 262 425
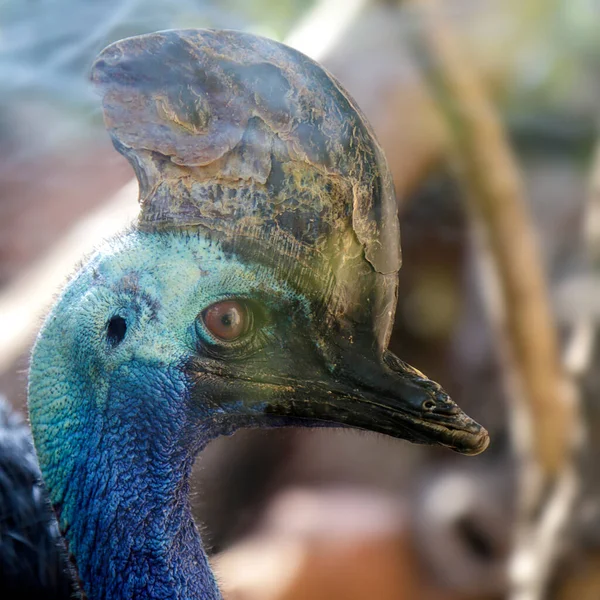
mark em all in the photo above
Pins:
pixel 458 92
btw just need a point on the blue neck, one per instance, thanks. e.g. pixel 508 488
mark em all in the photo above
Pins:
pixel 124 506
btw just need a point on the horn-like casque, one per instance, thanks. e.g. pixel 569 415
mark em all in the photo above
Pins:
pixel 252 142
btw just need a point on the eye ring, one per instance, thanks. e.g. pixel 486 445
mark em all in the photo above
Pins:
pixel 228 321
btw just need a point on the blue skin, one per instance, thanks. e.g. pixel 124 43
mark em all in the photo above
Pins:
pixel 118 418
pixel 115 427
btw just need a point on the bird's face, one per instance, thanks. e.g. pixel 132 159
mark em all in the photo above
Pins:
pixel 165 326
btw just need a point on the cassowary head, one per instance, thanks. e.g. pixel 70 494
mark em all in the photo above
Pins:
pixel 258 287
pixel 262 182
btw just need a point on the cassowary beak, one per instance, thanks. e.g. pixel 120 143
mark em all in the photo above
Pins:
pixel 391 398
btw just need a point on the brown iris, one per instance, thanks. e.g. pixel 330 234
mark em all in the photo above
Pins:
pixel 227 320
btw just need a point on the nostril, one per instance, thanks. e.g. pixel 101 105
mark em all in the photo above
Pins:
pixel 428 405
pixel 116 330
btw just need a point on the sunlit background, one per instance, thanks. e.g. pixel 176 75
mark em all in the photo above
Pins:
pixel 343 515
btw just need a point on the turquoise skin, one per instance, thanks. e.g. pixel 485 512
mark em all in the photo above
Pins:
pixel 115 428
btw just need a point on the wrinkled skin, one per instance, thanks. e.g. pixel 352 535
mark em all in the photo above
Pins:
pixel 256 144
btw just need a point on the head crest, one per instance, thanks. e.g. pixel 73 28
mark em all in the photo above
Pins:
pixel 250 140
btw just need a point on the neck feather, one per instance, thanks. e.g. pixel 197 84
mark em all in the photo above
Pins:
pixel 136 537
pixel 117 470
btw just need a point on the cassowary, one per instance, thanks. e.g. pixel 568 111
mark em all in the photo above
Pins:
pixel 257 289
pixel 31 563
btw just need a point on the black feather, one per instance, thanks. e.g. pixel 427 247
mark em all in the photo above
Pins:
pixel 32 561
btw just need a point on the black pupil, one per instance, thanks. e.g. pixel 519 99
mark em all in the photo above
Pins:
pixel 227 319
pixel 117 328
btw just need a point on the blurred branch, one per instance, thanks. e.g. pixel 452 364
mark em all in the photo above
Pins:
pixel 580 349
pixel 24 302
pixel 323 26
pixel 545 419
pixel 489 171
pixel 583 582
pixel 592 218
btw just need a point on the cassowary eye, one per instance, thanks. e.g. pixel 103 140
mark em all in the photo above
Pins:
pixel 228 320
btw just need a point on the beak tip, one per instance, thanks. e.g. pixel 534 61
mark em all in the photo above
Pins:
pixel 477 444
